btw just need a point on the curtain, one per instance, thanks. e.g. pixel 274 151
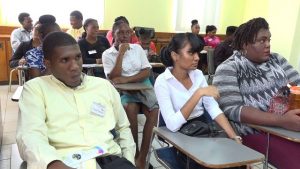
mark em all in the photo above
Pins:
pixel 207 12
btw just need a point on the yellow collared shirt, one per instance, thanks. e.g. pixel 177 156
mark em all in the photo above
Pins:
pixel 57 120
pixel 75 33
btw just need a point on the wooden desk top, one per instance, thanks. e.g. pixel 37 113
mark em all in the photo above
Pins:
pixel 278 131
pixel 132 86
pixel 211 152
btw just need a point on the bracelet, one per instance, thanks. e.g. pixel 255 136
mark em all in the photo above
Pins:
pixel 237 138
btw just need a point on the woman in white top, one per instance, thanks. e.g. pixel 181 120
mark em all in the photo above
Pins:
pixel 182 89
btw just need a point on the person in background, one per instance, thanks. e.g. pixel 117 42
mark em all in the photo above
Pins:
pixel 109 34
pixel 92 46
pixel 35 56
pixel 224 50
pixel 127 63
pixel 202 64
pixel 17 58
pixel 210 38
pixel 248 81
pixel 76 19
pixel 23 33
pixel 195 28
pixel 67 121
pixel 182 91
pixel 146 43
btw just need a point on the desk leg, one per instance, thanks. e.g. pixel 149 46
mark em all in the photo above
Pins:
pixel 20 77
pixel 149 151
pixel 267 152
pixel 90 71
pixel 187 162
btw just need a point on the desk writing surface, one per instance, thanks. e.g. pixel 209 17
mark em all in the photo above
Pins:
pixel 211 152
pixel 278 131
pixel 153 64
pixel 91 65
pixel 132 86
pixel 17 94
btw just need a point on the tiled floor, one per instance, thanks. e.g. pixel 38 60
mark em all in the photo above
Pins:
pixel 9 117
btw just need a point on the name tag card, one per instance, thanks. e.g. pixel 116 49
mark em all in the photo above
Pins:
pixel 76 159
pixel 92 52
pixel 98 109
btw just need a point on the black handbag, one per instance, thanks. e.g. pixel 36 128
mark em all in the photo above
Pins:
pixel 198 128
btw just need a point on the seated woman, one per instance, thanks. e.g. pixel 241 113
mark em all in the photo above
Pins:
pixel 210 38
pixel 109 35
pixel 182 91
pixel 92 46
pixel 17 58
pixel 247 81
pixel 35 56
pixel 147 45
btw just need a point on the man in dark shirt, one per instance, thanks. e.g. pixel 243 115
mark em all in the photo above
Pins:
pixel 224 50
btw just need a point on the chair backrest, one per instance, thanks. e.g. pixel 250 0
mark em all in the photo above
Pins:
pixel 210 61
pixel 138 28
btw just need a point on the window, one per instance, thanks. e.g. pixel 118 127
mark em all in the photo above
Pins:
pixel 61 9
pixel 207 12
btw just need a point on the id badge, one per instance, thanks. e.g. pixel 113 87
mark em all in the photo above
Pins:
pixel 76 159
pixel 92 52
pixel 98 109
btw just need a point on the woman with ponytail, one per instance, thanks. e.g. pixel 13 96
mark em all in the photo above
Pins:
pixel 182 91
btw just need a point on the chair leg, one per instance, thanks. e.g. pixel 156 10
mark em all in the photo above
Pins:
pixel 10 78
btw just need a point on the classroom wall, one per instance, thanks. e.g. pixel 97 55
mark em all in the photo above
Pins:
pixel 148 13
pixel 295 50
pixel 283 18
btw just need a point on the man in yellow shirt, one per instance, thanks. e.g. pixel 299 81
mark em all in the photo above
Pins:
pixel 76 19
pixel 68 118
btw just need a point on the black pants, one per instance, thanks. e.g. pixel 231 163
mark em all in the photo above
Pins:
pixel 114 162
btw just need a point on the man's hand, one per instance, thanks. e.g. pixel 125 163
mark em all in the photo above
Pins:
pixel 58 165
pixel 22 62
pixel 151 52
pixel 120 80
pixel 291 120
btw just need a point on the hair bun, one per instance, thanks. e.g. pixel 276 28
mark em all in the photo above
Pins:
pixel 195 21
pixel 47 19
pixel 142 31
pixel 165 56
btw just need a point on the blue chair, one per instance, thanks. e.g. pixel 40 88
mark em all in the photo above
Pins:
pixel 167 156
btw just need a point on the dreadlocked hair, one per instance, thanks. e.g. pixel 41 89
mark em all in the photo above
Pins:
pixel 247 32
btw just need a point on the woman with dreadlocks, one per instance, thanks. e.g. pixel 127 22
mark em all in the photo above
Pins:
pixel 248 82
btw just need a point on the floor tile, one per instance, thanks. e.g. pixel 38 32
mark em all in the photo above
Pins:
pixel 9 126
pixel 9 138
pixel 5 164
pixel 5 152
